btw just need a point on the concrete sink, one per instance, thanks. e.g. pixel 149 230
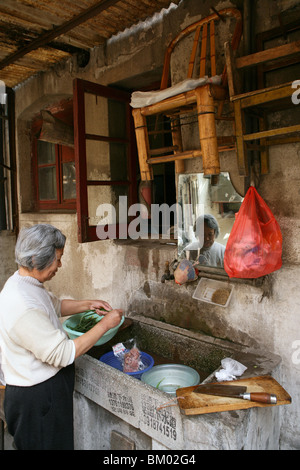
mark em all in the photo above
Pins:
pixel 108 402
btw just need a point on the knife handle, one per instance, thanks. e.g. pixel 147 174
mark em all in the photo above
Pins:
pixel 261 397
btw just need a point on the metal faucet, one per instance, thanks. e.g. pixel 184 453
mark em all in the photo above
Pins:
pixel 167 276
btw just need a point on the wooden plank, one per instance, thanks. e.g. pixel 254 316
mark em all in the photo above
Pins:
pixel 266 95
pixel 283 140
pixel 271 132
pixel 287 91
pixel 191 403
pixel 268 54
pixel 240 145
pixel 264 152
pixel 56 131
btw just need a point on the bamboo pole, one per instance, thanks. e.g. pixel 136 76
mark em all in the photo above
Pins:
pixel 142 144
pixel 207 131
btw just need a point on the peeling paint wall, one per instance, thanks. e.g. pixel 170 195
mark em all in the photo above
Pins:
pixel 128 274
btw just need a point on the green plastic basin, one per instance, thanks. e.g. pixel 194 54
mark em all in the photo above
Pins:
pixel 74 320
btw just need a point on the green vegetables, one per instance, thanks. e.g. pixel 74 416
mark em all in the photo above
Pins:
pixel 157 386
pixel 86 322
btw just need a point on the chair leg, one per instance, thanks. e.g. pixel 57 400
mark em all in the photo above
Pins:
pixel 241 149
pixel 142 142
pixel 207 131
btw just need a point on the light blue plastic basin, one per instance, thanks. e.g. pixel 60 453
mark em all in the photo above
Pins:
pixel 169 377
pixel 74 320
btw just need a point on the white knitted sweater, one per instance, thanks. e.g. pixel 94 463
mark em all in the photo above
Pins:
pixel 33 345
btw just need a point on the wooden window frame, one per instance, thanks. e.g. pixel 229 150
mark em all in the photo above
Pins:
pixel 59 203
pixel 86 232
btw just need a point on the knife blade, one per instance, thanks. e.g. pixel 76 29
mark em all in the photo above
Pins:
pixel 236 391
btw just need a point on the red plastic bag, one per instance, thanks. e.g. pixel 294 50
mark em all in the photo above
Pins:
pixel 254 245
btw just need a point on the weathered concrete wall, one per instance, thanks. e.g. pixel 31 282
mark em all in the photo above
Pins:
pixel 7 250
pixel 125 273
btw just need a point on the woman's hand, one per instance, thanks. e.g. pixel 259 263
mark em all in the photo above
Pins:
pixel 84 342
pixel 112 318
pixel 71 307
pixel 98 304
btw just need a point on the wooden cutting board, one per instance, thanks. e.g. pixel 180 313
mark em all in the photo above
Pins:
pixel 191 403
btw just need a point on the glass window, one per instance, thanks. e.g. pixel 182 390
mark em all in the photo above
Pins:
pixel 47 183
pixel 45 153
pixel 69 181
pixel 105 160
pixel 56 181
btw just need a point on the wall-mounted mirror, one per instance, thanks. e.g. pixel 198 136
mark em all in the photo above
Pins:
pixel 208 207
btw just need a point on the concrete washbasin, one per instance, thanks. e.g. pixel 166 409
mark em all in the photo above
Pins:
pixel 171 344
pixel 103 392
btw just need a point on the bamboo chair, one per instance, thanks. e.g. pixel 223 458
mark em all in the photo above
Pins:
pixel 261 102
pixel 201 100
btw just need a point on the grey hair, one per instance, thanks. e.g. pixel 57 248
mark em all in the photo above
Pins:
pixel 36 245
pixel 210 221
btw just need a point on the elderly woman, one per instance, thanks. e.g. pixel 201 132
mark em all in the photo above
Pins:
pixel 37 356
pixel 209 252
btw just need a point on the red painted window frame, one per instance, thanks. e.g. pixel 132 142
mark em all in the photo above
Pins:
pixel 87 233
pixel 62 154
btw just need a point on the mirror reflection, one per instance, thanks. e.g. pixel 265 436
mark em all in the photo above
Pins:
pixel 208 205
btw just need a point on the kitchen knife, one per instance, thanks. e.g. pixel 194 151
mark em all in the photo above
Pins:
pixel 236 391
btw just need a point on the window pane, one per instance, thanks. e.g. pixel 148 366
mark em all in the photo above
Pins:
pixel 118 161
pixel 105 117
pixel 106 161
pixel 69 181
pixel 96 115
pixel 117 119
pixel 47 183
pixel 104 204
pixel 45 152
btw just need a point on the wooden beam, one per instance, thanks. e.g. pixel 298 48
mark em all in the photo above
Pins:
pixel 58 31
pixel 268 54
pixel 271 132
pixel 265 95
pixel 56 131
